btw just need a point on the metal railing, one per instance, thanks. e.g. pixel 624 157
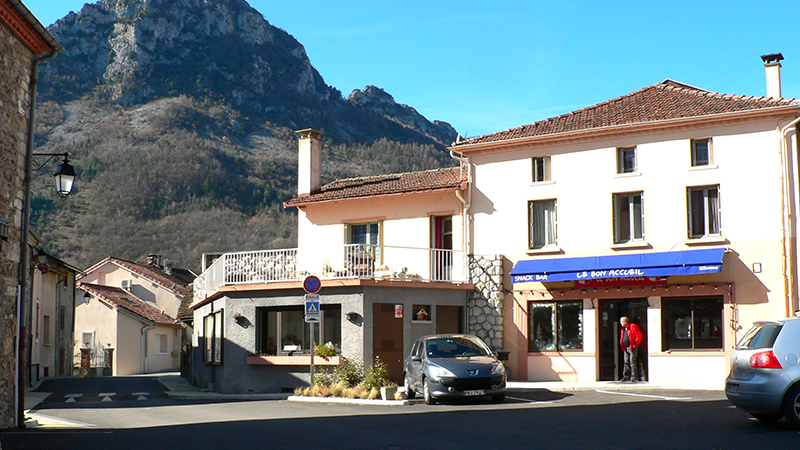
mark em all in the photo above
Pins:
pixel 350 261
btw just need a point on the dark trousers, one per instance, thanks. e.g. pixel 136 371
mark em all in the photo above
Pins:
pixel 629 357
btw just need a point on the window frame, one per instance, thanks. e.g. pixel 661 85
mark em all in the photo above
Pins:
pixel 631 220
pixel 328 322
pixel 163 344
pixel 670 317
pixel 540 169
pixel 213 337
pixel 622 160
pixel 369 234
pixel 556 325
pixel 706 207
pixel 709 158
pixel 549 226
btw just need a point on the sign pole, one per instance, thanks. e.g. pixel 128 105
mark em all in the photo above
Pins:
pixel 312 353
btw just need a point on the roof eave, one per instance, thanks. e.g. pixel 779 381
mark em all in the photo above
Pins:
pixel 301 205
pixel 615 130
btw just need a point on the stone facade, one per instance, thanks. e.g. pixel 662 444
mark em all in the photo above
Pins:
pixel 15 66
pixel 485 305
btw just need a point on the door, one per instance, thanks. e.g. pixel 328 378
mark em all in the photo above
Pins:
pixel 441 248
pixel 387 339
pixel 449 320
pixel 609 353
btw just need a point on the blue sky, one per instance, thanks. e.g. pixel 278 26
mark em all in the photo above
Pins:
pixel 489 66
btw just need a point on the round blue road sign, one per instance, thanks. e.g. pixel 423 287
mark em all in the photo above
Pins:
pixel 311 284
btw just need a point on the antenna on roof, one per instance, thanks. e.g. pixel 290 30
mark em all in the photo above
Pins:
pixel 458 138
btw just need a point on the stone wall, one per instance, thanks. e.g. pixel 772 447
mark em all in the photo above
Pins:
pixel 485 306
pixel 15 65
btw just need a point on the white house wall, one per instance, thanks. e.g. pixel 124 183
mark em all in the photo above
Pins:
pixel 110 274
pixel 747 167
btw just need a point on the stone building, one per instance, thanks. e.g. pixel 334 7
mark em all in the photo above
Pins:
pixel 24 43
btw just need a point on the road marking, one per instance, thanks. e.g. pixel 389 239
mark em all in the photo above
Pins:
pixel 107 396
pixel 662 397
pixel 526 400
pixel 71 397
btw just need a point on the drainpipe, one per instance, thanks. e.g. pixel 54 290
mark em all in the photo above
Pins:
pixel 789 255
pixel 25 256
pixel 144 331
pixel 466 242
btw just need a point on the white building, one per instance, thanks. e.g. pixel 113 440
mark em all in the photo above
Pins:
pixel 673 205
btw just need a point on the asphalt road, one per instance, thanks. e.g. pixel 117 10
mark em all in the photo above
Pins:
pixel 596 419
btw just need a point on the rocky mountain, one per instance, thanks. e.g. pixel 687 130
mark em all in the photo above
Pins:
pixel 131 52
pixel 179 116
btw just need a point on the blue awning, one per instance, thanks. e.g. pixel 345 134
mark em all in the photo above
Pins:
pixel 662 264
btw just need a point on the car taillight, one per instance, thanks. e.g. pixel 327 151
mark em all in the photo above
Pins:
pixel 765 360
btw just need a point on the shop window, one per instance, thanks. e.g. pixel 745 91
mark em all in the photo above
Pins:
pixel 704 211
pixel 542 222
pixel 701 152
pixel 692 323
pixel 626 160
pixel 541 169
pixel 628 218
pixel 284 331
pixel 422 313
pixel 555 326
pixel 212 342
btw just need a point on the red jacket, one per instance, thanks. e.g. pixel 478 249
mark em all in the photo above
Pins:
pixel 635 335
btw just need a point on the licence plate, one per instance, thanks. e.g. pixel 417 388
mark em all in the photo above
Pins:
pixel 475 392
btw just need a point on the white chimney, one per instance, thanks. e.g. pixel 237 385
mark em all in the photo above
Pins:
pixel 772 63
pixel 309 161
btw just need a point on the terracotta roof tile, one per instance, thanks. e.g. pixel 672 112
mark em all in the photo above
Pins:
pixel 667 100
pixel 153 273
pixel 125 300
pixel 450 178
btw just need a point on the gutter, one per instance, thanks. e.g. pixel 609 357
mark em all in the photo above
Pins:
pixel 788 217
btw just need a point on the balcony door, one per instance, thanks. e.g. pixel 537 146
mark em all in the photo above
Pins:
pixel 441 248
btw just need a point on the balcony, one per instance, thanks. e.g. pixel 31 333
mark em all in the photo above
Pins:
pixel 377 262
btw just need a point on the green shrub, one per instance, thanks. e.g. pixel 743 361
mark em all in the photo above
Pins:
pixel 377 375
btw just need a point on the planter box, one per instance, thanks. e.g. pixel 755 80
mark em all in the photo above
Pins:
pixel 387 393
pixel 300 360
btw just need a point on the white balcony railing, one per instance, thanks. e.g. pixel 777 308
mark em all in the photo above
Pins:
pixel 350 261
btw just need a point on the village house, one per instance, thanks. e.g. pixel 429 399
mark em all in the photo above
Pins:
pixel 672 205
pixel 389 251
pixel 136 315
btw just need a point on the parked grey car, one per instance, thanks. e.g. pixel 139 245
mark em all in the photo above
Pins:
pixel 453 366
pixel 765 371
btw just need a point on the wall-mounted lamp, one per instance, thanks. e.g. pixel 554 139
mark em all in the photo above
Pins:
pixel 64 176
pixel 355 318
pixel 241 320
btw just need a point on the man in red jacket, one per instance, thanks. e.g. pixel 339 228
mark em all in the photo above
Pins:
pixel 629 340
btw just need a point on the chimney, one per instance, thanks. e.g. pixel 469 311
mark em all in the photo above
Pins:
pixel 772 63
pixel 309 161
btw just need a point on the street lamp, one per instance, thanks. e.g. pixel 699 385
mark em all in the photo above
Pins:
pixel 64 176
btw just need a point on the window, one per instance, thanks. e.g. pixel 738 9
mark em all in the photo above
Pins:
pixel 421 312
pixel 364 233
pixel 212 326
pixel 704 211
pixel 46 330
pixel 542 224
pixel 628 218
pixel 283 330
pixel 555 326
pixel 541 169
pixel 626 160
pixel 693 323
pixel 701 152
pixel 161 343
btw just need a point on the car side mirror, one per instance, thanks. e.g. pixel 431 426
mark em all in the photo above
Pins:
pixel 416 358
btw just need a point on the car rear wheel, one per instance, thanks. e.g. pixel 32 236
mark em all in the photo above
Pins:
pixel 791 407
pixel 426 393
pixel 410 393
pixel 768 417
